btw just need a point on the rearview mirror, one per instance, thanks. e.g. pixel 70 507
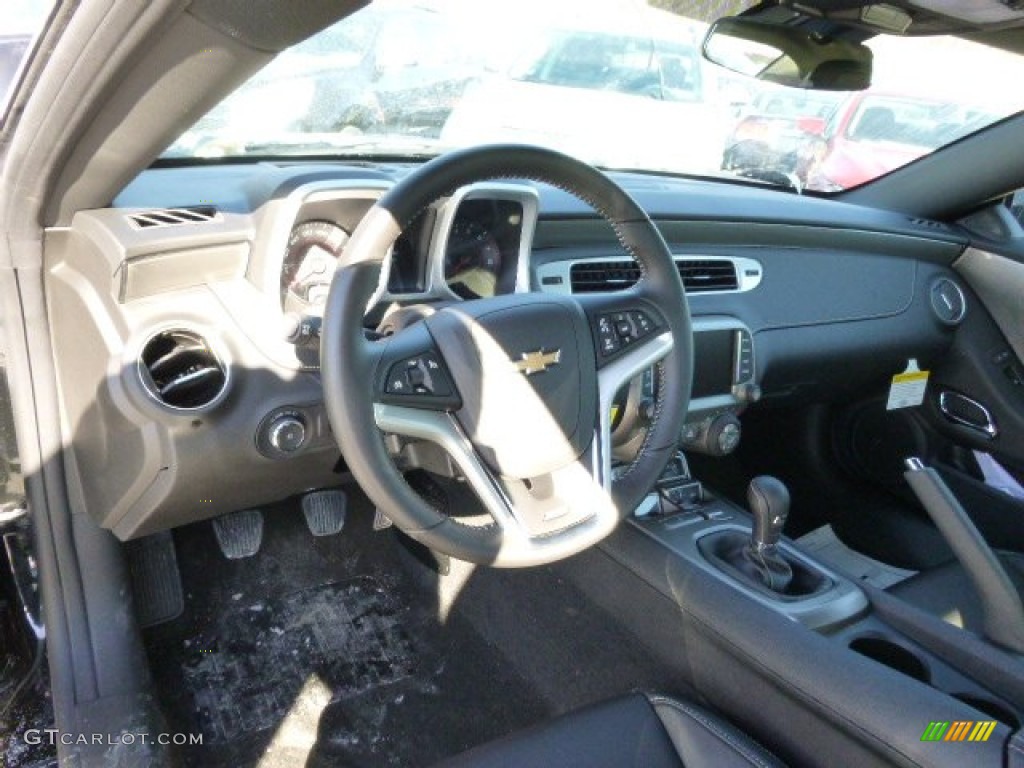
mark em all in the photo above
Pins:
pixel 789 56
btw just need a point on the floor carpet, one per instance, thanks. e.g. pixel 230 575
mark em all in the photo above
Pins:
pixel 323 652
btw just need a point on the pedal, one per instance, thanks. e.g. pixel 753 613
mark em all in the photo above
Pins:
pixel 239 534
pixel 325 511
pixel 156 579
pixel 381 522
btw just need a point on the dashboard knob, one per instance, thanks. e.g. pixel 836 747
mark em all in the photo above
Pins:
pixel 723 435
pixel 747 393
pixel 286 433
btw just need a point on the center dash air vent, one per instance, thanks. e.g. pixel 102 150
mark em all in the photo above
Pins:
pixel 181 370
pixel 930 223
pixel 699 275
pixel 707 274
pixel 169 217
pixel 595 276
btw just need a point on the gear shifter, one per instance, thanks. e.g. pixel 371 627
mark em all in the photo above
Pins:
pixel 769 504
pixel 757 560
pixel 768 499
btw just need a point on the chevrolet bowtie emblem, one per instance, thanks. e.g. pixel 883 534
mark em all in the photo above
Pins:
pixel 537 362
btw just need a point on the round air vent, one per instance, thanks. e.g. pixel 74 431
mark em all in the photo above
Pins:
pixel 948 302
pixel 181 370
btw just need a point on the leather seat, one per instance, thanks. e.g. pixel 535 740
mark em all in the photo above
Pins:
pixel 635 731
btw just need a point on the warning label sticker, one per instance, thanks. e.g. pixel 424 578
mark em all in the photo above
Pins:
pixel 907 388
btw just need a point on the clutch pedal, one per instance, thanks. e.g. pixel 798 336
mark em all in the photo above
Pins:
pixel 156 579
pixel 239 534
pixel 325 511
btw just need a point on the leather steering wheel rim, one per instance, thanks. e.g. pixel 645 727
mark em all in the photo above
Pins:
pixel 349 362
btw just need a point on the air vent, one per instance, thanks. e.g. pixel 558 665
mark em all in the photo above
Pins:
pixel 708 275
pixel 169 217
pixel 929 223
pixel 596 276
pixel 698 275
pixel 181 370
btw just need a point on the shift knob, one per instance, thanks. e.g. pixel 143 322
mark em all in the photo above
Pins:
pixel 769 504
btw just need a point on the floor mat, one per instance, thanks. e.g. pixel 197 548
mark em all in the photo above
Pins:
pixel 244 675
pixel 321 652
pixel 823 544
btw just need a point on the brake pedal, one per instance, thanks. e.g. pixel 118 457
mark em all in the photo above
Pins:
pixel 325 511
pixel 239 534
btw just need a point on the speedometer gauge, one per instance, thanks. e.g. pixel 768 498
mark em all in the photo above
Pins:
pixel 309 263
pixel 472 260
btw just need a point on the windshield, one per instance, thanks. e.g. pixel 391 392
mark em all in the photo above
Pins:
pixel 20 22
pixel 614 82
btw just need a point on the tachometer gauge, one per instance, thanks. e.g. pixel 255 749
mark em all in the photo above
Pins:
pixel 472 260
pixel 309 263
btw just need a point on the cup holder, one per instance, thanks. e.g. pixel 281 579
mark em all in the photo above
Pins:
pixel 994 709
pixel 891 655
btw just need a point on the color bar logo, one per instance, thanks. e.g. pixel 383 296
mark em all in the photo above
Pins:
pixel 959 730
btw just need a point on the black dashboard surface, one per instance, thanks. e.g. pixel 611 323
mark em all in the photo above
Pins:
pixel 837 304
pixel 242 188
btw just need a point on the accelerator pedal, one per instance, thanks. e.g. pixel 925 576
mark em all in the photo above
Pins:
pixel 325 511
pixel 156 579
pixel 239 534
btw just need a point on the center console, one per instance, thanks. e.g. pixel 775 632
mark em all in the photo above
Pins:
pixel 722 541
pixel 858 676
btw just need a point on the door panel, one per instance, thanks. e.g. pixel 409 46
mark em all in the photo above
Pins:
pixel 984 364
pixel 999 282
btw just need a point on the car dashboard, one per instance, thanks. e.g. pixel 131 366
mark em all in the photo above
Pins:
pixel 186 314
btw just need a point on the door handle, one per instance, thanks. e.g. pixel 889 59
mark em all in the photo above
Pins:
pixel 966 412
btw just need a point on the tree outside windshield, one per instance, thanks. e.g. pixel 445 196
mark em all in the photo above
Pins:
pixel 617 83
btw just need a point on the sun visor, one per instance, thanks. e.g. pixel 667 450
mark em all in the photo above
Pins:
pixel 975 12
pixel 272 25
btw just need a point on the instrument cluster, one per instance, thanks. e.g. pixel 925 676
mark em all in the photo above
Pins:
pixel 474 244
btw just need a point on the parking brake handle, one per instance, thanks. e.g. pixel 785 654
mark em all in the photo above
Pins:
pixel 1001 606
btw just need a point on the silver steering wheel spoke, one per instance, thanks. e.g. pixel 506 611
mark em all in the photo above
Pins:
pixel 442 429
pixel 617 374
pixel 521 543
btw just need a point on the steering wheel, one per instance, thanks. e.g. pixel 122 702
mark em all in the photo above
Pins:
pixel 517 389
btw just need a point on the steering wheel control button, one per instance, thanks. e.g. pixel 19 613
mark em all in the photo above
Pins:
pixel 420 380
pixel 420 375
pixel 608 340
pixel 616 330
pixel 642 322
